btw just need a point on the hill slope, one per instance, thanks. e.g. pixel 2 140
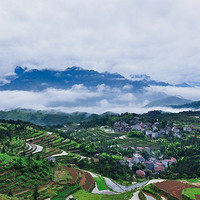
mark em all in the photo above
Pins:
pixel 172 100
pixel 47 118
pixel 193 105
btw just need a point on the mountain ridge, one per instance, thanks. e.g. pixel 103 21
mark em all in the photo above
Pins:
pixel 38 80
pixel 168 101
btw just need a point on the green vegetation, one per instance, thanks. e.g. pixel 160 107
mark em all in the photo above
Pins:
pixel 95 147
pixel 195 180
pixel 183 168
pixel 101 184
pixel 43 118
pixel 108 166
pixel 83 195
pixel 66 192
pixel 191 192
pixel 135 134
pixel 141 196
pixel 149 189
pixel 5 197
pixel 62 176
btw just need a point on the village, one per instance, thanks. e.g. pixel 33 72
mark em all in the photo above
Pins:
pixel 152 165
pixel 149 164
pixel 151 130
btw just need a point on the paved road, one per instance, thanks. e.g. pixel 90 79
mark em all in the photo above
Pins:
pixel 149 197
pixel 106 192
pixel 135 196
pixel 64 153
pixel 29 147
pixel 121 188
pixel 38 148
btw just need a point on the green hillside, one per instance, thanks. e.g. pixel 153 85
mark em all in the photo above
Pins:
pixel 49 118
pixel 168 101
pixel 193 105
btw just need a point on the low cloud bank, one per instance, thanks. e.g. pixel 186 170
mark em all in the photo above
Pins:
pixel 102 99
pixel 192 93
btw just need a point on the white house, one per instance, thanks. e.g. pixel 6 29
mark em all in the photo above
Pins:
pixel 154 134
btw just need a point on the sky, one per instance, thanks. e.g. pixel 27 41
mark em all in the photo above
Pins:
pixel 154 37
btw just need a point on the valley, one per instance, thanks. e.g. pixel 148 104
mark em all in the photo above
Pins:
pixel 114 159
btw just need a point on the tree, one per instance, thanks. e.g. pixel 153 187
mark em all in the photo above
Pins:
pixel 35 193
pixel 135 134
pixel 10 193
pixel 144 154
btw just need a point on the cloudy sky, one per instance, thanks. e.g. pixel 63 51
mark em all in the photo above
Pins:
pixel 156 37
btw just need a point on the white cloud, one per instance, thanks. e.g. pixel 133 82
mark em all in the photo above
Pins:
pixel 79 98
pixel 160 38
pixel 192 93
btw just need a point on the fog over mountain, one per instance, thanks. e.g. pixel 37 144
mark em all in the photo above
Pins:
pixel 77 89
pixel 132 53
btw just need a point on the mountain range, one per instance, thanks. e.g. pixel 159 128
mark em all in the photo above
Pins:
pixel 99 89
pixel 38 80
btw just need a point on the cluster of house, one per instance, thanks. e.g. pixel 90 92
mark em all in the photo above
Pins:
pixel 153 164
pixel 121 126
pixel 149 129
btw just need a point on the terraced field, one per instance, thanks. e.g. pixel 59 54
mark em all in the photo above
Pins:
pixel 24 165
pixel 89 181
pixel 174 188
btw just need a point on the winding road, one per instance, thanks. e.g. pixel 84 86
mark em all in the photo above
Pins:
pixel 121 188
pixel 38 148
pixel 64 153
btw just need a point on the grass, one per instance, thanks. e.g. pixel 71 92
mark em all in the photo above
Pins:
pixel 151 191
pixel 50 191
pixel 134 141
pixel 83 195
pixel 195 180
pixel 66 192
pixel 5 197
pixel 101 184
pixel 62 176
pixel 191 192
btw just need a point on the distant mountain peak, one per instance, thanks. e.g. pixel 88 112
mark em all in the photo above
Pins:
pixel 41 79
pixel 74 68
pixel 168 101
pixel 19 70
pixel 140 77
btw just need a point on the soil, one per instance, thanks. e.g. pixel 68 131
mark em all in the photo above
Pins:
pixel 73 173
pixel 175 188
pixel 89 181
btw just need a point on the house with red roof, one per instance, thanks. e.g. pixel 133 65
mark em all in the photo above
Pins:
pixel 173 160
pixel 140 173
pixel 158 168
